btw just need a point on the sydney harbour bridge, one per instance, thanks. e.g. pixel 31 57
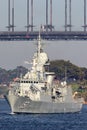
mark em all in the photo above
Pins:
pixel 47 31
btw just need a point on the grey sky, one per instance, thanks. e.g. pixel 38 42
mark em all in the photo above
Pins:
pixel 13 54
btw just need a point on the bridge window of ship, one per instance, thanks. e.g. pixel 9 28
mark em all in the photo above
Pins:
pixel 35 82
pixel 21 81
pixel 26 81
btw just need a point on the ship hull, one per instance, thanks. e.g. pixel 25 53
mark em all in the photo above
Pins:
pixel 25 105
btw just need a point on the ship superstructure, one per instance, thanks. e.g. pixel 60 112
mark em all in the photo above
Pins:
pixel 38 92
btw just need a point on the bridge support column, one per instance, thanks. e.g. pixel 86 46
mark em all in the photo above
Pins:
pixel 27 15
pixel 46 15
pixel 70 16
pixel 8 15
pixel 31 15
pixel 13 16
pixel 51 14
pixel 65 15
pixel 85 16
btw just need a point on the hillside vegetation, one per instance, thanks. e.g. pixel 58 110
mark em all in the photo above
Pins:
pixel 65 68
pixel 8 75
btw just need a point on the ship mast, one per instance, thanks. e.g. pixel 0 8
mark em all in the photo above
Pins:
pixel 39 44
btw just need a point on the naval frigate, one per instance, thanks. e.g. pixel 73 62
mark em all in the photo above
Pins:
pixel 38 91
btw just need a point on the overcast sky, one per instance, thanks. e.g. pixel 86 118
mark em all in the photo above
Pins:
pixel 14 53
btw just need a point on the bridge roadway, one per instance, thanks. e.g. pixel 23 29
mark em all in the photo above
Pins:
pixel 54 35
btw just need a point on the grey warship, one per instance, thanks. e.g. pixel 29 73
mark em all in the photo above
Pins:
pixel 38 92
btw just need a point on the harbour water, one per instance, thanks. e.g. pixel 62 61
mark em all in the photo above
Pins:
pixel 73 121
